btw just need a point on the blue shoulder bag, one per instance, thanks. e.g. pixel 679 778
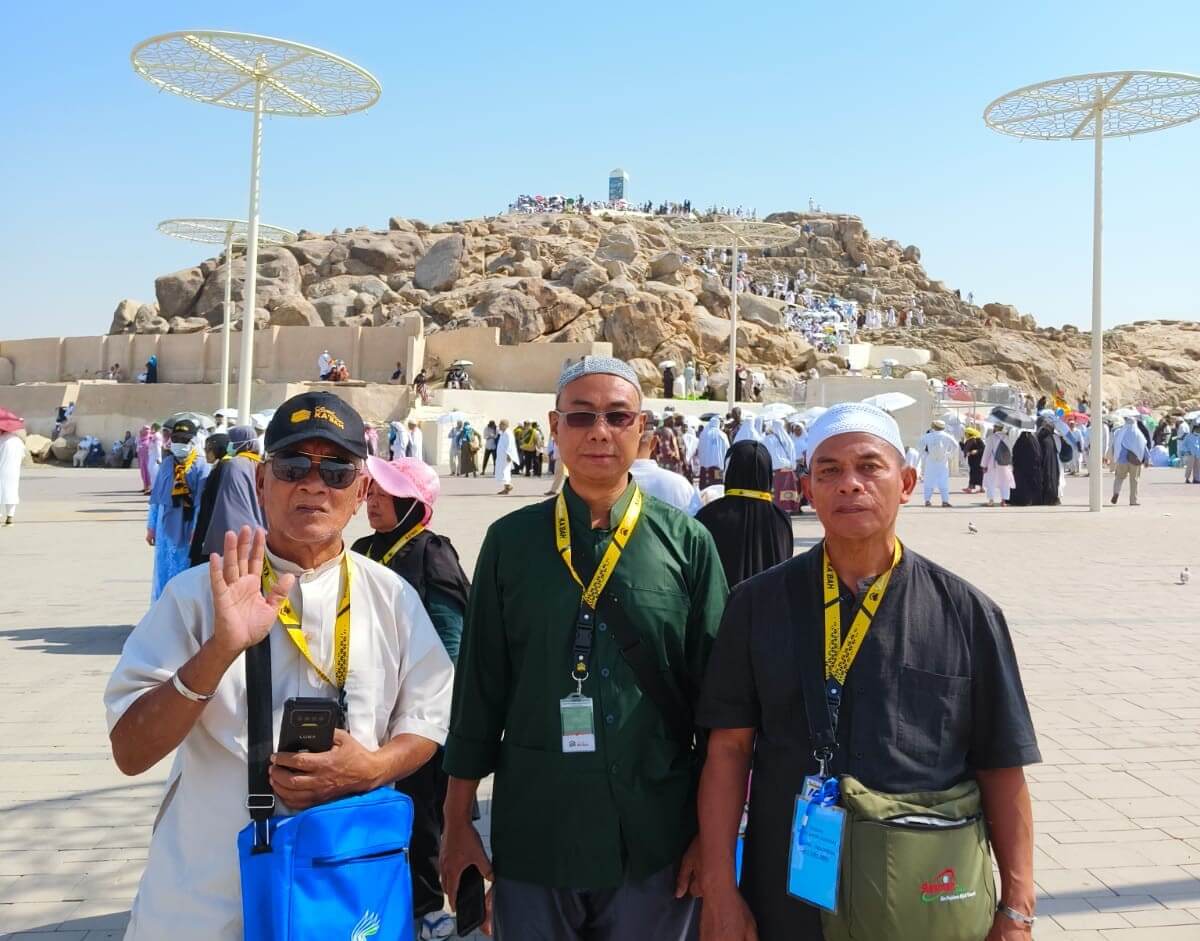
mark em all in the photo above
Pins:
pixel 335 871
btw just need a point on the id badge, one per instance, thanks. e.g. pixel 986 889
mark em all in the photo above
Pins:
pixel 814 862
pixel 812 784
pixel 578 727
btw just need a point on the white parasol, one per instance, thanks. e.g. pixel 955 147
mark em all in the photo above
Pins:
pixel 462 362
pixel 667 364
pixel 778 410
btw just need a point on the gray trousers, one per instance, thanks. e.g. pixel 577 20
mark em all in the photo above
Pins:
pixel 636 911
pixel 1133 472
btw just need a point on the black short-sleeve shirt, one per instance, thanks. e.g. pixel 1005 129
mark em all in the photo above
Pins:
pixel 933 695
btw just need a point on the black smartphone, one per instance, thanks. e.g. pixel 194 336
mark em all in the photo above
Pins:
pixel 308 724
pixel 468 904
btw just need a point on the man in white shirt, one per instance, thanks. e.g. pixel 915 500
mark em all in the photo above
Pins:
pixel 324 365
pixel 938 448
pixel 180 684
pixel 671 488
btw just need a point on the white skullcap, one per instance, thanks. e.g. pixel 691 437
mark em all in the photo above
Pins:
pixel 599 366
pixel 849 418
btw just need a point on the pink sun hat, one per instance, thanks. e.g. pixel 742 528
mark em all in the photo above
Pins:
pixel 407 478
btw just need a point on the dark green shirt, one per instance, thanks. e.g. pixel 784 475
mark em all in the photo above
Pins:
pixel 593 820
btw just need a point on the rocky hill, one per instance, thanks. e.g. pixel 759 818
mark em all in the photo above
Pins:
pixel 626 279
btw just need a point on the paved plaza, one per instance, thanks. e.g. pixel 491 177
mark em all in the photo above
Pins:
pixel 1109 646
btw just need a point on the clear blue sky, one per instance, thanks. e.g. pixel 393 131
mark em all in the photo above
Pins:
pixel 873 108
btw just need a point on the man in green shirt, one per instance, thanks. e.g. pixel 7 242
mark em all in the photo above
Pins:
pixel 583 710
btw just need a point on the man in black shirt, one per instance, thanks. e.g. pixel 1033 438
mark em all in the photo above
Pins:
pixel 933 697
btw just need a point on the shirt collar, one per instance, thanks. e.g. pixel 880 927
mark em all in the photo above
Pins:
pixel 580 515
pixel 288 567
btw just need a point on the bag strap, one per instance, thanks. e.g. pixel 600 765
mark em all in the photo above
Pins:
pixel 260 742
pixel 650 676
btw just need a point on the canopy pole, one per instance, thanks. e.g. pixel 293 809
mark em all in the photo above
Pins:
pixel 733 325
pixel 250 285
pixel 227 316
pixel 1096 411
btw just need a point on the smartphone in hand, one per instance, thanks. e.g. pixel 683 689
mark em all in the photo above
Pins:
pixel 469 904
pixel 308 724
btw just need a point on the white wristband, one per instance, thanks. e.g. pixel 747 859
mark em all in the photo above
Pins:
pixel 186 693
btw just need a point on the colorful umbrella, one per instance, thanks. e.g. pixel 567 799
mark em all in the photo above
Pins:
pixel 10 421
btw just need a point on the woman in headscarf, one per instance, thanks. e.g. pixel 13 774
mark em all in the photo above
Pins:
pixel 400 504
pixel 152 369
pixel 173 503
pixel 1051 468
pixel 749 430
pixel 666 448
pixel 785 489
pixel 468 447
pixel 1027 470
pixel 751 533
pixel 973 447
pixel 398 439
pixel 691 445
pixel 710 453
pixel 143 457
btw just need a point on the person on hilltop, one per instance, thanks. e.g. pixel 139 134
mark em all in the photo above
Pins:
pixel 581 658
pixel 400 503
pixel 864 676
pixel 180 684
pixel 173 502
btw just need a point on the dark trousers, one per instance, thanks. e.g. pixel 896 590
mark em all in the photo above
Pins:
pixel 488 455
pixel 635 911
pixel 427 788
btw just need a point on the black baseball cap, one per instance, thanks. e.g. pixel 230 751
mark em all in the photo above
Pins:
pixel 316 415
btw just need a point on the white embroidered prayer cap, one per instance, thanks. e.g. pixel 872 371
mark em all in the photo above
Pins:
pixel 849 418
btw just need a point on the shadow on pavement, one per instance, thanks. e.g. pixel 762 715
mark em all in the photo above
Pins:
pixel 102 639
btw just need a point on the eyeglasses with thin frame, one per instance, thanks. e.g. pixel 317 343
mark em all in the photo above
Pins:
pixel 294 466
pixel 619 419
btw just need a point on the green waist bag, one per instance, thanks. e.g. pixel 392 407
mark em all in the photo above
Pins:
pixel 914 866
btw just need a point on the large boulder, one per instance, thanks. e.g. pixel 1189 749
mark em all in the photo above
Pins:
pixel 311 251
pixel 709 334
pixel 763 310
pixel 620 243
pixel 123 317
pixel 665 264
pixel 64 447
pixel 636 328
pixel 339 284
pixel 400 224
pixel 333 309
pixel 278 274
pixel 177 292
pixel 293 311
pixel 187 324
pixel 38 448
pixel 385 254
pixel 147 320
pixel 1006 314
pixel 441 266
pixel 911 254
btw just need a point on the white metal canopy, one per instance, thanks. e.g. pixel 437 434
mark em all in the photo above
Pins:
pixel 1093 107
pixel 734 234
pixel 228 232
pixel 262 75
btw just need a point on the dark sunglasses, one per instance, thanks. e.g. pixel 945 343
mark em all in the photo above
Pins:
pixel 293 466
pixel 619 419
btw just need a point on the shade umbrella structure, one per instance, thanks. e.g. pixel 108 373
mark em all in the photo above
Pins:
pixel 199 419
pixel 890 401
pixel 1093 107
pixel 1012 418
pixel 10 420
pixel 230 232
pixel 261 75
pixel 778 410
pixel 737 235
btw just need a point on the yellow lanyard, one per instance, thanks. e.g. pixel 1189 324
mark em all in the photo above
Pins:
pixel 180 485
pixel 752 494
pixel 250 456
pixel 341 627
pixel 612 555
pixel 839 658
pixel 400 543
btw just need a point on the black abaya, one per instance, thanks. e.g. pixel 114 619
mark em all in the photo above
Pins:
pixel 1049 471
pixel 751 535
pixel 973 448
pixel 1027 471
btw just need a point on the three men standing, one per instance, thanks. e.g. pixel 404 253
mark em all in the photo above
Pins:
pixel 582 657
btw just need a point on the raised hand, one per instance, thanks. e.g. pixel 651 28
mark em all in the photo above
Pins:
pixel 243 616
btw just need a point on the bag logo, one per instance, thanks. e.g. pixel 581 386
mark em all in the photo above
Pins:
pixel 367 925
pixel 944 888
